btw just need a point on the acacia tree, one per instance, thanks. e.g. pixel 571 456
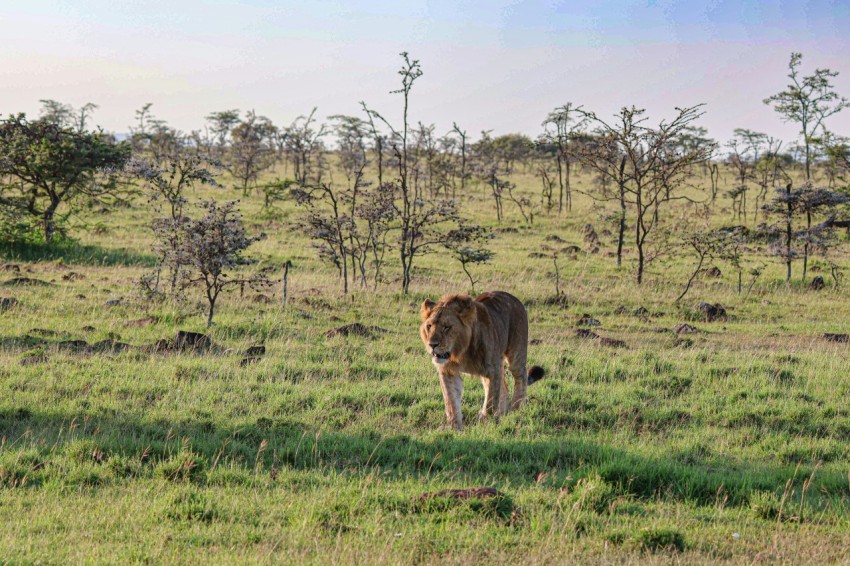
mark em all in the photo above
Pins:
pixel 723 243
pixel 815 201
pixel 836 151
pixel 467 244
pixel 221 123
pixel 328 224
pixel 743 157
pixel 212 246
pixel 154 138
pixel 252 150
pixel 767 171
pixel 789 203
pixel 65 115
pixel 168 180
pixel 43 164
pixel 650 169
pixel 560 125
pixel 488 167
pixel 807 100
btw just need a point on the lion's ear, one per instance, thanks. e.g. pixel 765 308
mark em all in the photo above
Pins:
pixel 466 310
pixel 426 309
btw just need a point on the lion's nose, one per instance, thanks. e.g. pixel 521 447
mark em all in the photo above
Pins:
pixel 433 344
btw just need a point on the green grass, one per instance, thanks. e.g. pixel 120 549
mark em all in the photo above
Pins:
pixel 727 445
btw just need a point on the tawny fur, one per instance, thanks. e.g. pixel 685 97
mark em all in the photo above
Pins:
pixel 477 336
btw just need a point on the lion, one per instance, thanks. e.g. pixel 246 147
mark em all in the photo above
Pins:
pixel 476 336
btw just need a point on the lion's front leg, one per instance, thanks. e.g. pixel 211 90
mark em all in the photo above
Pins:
pixel 452 386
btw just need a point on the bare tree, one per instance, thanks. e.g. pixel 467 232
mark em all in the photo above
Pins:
pixel 378 141
pixel 524 204
pixel 654 170
pixel 463 147
pixel 560 125
pixel 421 221
pixel 305 147
pixel 768 171
pixel 743 157
pixel 328 223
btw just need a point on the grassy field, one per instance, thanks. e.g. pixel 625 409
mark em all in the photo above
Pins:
pixel 728 444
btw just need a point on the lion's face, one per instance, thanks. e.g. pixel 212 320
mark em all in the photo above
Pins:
pixel 446 328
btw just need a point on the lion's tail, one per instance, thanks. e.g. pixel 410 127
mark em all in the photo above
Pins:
pixel 535 373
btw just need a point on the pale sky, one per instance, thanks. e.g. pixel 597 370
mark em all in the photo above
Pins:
pixel 498 65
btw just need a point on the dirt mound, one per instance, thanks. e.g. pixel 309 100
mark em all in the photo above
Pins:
pixel 612 342
pixel 473 493
pixel 33 360
pixel 685 329
pixel 191 341
pixel 356 329
pixel 252 354
pixel 711 313
pixel 73 346
pixel 26 282
pixel 587 320
pixel 140 322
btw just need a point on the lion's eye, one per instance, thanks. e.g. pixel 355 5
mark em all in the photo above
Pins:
pixel 446 329
pixel 428 326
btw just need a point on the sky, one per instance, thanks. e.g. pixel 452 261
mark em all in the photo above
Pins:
pixel 495 65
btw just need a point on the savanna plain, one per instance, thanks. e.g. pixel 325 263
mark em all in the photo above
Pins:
pixel 646 442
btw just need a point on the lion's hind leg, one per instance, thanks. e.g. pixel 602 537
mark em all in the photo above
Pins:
pixel 518 365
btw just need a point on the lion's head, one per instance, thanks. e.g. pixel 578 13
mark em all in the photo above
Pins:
pixel 447 327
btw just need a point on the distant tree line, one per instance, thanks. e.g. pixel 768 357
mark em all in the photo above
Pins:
pixel 401 184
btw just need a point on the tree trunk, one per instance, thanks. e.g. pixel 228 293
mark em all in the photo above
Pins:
pixel 285 281
pixel 560 186
pixel 621 232
pixel 806 246
pixel 212 298
pixel 638 240
pixel 788 235
pixel 48 220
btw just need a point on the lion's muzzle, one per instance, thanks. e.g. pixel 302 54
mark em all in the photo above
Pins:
pixel 439 358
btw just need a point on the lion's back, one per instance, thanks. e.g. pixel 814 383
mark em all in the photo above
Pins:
pixel 508 319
